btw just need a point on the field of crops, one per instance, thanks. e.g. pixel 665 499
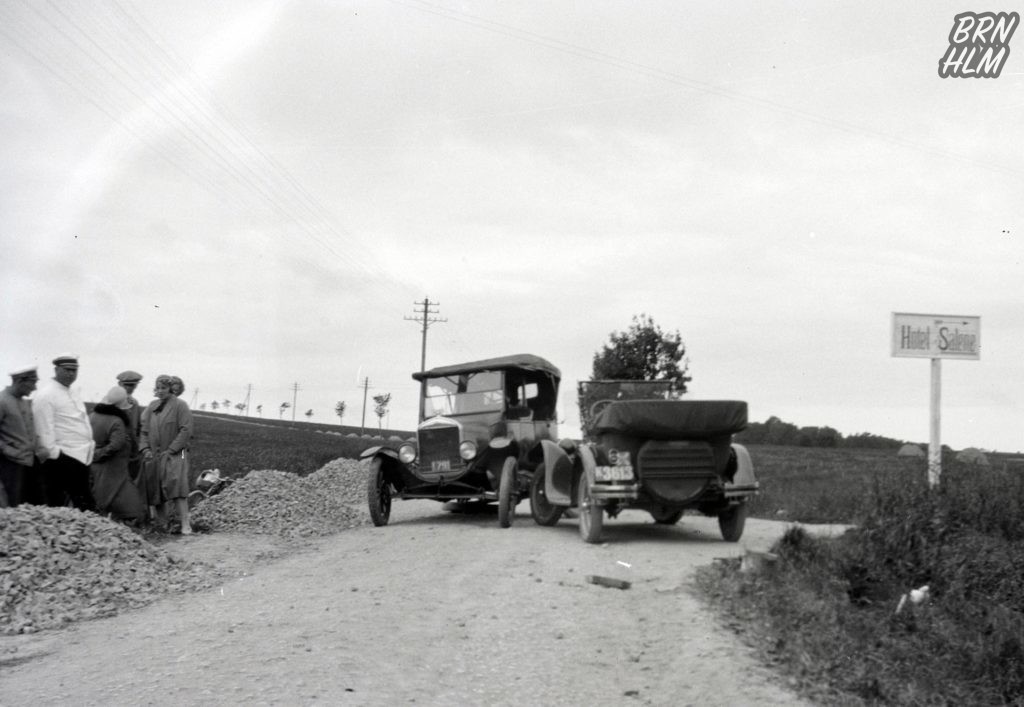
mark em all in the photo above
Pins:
pixel 237 445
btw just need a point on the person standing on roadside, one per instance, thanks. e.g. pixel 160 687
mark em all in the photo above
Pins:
pixel 129 380
pixel 112 489
pixel 166 431
pixel 18 482
pixel 64 437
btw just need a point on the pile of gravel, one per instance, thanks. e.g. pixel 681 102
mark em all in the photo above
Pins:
pixel 59 565
pixel 271 502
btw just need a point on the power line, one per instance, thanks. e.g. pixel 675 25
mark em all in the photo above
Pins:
pixel 156 83
pixel 686 82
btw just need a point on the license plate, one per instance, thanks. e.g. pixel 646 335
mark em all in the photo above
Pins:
pixel 613 473
pixel 441 465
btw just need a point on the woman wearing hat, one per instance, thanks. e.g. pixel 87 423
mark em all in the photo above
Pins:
pixel 166 431
pixel 112 488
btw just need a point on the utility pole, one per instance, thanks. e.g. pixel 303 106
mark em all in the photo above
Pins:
pixel 248 394
pixel 295 395
pixel 424 317
pixel 366 387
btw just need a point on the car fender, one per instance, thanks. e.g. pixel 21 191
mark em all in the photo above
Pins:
pixel 389 462
pixel 743 480
pixel 557 474
pixel 367 454
pixel 588 465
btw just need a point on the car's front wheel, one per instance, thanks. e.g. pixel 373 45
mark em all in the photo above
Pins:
pixel 591 514
pixel 507 493
pixel 378 494
pixel 731 522
pixel 544 512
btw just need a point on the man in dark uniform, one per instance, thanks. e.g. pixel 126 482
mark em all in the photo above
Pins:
pixel 129 380
pixel 18 478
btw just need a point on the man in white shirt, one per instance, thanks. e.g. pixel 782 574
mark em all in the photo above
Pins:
pixel 64 437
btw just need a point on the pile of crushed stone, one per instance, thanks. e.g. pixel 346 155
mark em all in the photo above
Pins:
pixel 59 565
pixel 271 502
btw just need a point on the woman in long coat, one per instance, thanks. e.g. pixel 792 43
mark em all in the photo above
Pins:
pixel 166 431
pixel 112 488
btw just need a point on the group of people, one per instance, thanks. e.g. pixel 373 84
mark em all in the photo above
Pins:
pixel 119 460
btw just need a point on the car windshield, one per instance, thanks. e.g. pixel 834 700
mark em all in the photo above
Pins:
pixel 464 394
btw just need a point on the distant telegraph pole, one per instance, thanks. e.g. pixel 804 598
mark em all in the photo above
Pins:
pixel 424 317
pixel 295 395
pixel 366 387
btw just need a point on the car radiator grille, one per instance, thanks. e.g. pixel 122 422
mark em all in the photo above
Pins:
pixel 675 460
pixel 439 446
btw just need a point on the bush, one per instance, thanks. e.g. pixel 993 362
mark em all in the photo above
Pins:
pixel 828 616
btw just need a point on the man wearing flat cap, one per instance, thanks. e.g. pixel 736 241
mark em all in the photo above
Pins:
pixel 129 380
pixel 18 439
pixel 64 439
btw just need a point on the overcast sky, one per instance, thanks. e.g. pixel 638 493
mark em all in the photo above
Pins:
pixel 258 193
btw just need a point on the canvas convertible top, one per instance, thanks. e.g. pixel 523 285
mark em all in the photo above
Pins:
pixel 673 419
pixel 527 362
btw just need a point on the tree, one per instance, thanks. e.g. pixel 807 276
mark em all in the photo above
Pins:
pixel 227 404
pixel 240 407
pixel 214 405
pixel 284 406
pixel 381 407
pixel 259 409
pixel 202 406
pixel 309 414
pixel 644 352
pixel 339 410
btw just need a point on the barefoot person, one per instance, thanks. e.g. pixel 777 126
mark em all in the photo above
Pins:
pixel 166 431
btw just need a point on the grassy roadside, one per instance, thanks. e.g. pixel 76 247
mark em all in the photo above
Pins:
pixel 825 614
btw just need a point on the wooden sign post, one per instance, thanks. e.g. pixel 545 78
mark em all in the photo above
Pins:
pixel 935 336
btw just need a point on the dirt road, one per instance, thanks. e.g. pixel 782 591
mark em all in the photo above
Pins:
pixel 434 609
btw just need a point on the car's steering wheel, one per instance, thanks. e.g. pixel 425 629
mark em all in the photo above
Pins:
pixel 596 408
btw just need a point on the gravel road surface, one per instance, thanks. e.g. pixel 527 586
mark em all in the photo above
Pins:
pixel 435 609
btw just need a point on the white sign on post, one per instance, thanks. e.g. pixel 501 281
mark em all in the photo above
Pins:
pixel 935 336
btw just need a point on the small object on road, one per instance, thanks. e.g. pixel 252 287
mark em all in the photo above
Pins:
pixel 757 562
pixel 624 564
pixel 608 581
pixel 914 596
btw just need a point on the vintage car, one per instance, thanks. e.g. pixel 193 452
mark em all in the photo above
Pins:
pixel 643 449
pixel 477 440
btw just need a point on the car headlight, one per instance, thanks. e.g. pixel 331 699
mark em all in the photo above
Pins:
pixel 467 450
pixel 407 453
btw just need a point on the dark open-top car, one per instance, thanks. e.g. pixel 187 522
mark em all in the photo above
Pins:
pixel 644 451
pixel 480 427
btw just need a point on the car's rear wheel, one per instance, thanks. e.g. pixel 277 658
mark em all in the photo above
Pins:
pixel 663 515
pixel 507 494
pixel 378 494
pixel 543 511
pixel 731 522
pixel 591 514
